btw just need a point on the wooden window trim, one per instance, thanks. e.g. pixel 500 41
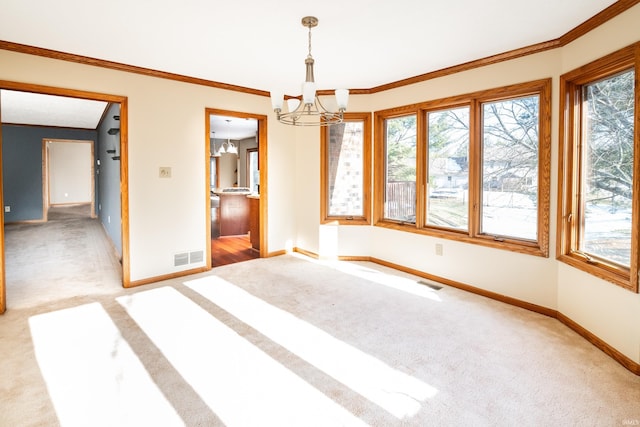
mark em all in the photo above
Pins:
pixel 571 84
pixel 542 88
pixel 540 247
pixel 364 219
pixel 379 189
pixel 247 161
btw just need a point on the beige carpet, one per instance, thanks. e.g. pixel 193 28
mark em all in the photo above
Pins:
pixel 66 256
pixel 287 341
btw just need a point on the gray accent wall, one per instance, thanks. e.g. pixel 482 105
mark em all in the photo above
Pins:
pixel 108 178
pixel 22 171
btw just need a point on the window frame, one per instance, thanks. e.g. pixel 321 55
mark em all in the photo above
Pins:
pixel 251 152
pixel 365 218
pixel 425 158
pixel 214 165
pixel 539 247
pixel 381 193
pixel 569 195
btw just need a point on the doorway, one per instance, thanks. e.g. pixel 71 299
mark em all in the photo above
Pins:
pixel 236 150
pixel 69 175
pixel 33 210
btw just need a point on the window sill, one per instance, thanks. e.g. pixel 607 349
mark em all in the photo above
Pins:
pixel 504 243
pixel 620 277
pixel 345 221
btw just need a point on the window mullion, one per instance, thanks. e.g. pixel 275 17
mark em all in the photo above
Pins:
pixel 574 199
pixel 475 170
pixel 572 172
pixel 421 168
pixel 634 266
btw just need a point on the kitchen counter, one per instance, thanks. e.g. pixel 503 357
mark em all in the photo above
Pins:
pixel 234 213
pixel 254 220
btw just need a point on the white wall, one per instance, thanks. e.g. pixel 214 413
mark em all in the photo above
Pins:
pixel 70 172
pixel 307 190
pixel 608 311
pixel 168 215
pixel 524 277
pixel 227 170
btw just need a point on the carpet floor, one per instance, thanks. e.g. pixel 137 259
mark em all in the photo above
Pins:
pixel 66 256
pixel 288 341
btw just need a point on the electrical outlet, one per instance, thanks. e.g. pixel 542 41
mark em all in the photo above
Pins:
pixel 439 249
pixel 7 208
pixel 165 172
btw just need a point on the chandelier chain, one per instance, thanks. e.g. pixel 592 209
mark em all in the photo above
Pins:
pixel 309 55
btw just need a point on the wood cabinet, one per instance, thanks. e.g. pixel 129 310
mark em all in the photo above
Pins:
pixel 234 214
pixel 254 221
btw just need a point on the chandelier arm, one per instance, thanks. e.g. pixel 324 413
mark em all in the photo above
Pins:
pixel 319 105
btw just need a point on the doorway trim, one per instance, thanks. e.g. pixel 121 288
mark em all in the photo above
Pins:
pixel 124 174
pixel 262 156
pixel 46 169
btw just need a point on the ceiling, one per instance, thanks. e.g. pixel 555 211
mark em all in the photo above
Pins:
pixel 235 128
pixel 27 108
pixel 358 44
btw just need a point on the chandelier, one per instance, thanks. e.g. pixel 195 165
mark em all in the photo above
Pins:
pixel 309 112
pixel 226 146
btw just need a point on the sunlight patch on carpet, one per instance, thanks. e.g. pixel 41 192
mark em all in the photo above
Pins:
pixel 396 392
pixel 238 381
pixel 93 376
pixel 403 284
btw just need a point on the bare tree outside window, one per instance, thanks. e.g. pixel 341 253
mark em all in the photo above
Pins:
pixel 597 217
pixel 478 171
pixel 510 147
pixel 607 179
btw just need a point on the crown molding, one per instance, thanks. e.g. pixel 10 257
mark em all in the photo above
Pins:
pixel 86 60
pixel 595 21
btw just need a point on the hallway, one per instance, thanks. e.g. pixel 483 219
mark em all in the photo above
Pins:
pixel 59 258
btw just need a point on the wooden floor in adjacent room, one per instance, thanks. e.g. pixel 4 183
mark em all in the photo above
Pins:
pixel 231 249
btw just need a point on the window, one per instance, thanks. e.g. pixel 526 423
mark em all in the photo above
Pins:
pixel 474 168
pixel 253 170
pixel 598 217
pixel 400 173
pixel 448 168
pixel 509 202
pixel 346 170
pixel 214 172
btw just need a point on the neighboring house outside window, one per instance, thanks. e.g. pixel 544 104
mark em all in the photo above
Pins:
pixel 474 167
